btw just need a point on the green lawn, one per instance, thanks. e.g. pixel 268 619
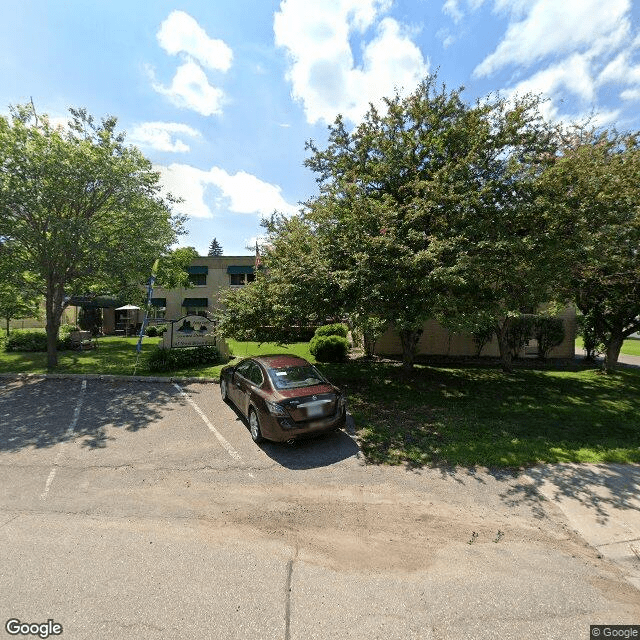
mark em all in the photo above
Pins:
pixel 630 347
pixel 438 415
pixel 477 416
pixel 117 356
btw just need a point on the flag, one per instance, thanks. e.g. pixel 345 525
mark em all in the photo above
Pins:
pixel 258 261
pixel 152 281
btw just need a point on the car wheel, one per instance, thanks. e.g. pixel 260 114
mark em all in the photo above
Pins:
pixel 223 389
pixel 254 426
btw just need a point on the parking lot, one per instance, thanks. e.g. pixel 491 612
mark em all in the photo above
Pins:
pixel 145 510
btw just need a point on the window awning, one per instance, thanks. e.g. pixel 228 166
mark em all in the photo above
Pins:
pixel 234 270
pixel 97 302
pixel 198 269
pixel 195 302
pixel 158 302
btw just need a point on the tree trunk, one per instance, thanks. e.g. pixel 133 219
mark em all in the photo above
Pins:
pixel 505 351
pixel 54 308
pixel 611 354
pixel 8 326
pixel 369 341
pixel 409 339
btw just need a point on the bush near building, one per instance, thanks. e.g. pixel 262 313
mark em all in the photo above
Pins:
pixel 162 359
pixel 330 344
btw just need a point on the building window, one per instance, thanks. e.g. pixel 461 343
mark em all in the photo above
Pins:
pixel 240 279
pixel 195 311
pixel 195 306
pixel 198 279
pixel 239 275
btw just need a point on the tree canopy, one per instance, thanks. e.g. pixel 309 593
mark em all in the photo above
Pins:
pixel 426 199
pixel 594 194
pixel 82 209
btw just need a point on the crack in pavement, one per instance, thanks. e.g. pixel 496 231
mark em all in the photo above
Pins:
pixel 287 595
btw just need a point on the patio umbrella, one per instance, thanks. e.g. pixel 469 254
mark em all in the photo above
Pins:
pixel 128 308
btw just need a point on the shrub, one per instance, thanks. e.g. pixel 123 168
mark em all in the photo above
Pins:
pixel 152 331
pixel 162 359
pixel 21 340
pixel 549 332
pixel 520 330
pixel 337 329
pixel 330 348
pixel 481 338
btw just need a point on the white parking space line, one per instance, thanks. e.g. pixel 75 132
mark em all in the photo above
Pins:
pixel 68 433
pixel 230 450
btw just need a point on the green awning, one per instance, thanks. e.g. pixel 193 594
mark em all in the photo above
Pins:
pixel 158 302
pixel 97 302
pixel 195 302
pixel 198 269
pixel 234 270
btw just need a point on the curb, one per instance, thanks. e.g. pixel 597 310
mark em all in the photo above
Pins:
pixel 104 378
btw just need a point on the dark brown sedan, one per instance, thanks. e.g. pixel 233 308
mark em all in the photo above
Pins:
pixel 283 397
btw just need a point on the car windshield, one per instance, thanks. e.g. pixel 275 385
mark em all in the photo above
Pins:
pixel 295 377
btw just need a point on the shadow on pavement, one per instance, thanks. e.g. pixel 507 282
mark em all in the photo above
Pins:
pixel 602 489
pixel 38 413
pixel 320 451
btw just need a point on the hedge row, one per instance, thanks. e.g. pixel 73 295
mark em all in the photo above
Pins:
pixel 31 341
pixel 162 359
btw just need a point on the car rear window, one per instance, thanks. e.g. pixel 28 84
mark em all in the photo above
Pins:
pixel 295 377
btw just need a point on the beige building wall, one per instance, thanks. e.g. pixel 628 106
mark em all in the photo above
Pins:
pixel 438 341
pixel 218 280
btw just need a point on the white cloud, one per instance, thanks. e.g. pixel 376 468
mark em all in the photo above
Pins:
pixel 632 95
pixel 452 8
pixel 323 72
pixel 551 27
pixel 572 74
pixel 162 136
pixel 190 89
pixel 208 193
pixel 180 33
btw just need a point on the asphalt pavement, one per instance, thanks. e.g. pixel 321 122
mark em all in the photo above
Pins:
pixel 145 510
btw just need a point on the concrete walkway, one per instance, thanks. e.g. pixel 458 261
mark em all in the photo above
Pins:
pixel 631 360
pixel 602 504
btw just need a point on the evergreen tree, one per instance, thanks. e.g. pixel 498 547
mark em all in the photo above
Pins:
pixel 215 248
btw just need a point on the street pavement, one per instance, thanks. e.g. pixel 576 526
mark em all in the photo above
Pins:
pixel 144 510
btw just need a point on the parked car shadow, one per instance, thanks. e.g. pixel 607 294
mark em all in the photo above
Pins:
pixel 309 453
pixel 321 451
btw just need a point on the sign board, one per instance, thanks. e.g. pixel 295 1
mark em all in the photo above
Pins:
pixel 190 331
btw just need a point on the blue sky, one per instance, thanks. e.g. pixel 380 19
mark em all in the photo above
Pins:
pixel 221 96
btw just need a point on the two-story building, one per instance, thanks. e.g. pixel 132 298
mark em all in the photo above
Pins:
pixel 209 277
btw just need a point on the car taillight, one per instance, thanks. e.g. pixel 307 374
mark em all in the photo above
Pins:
pixel 275 409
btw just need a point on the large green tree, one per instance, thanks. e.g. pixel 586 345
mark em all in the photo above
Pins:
pixel 82 208
pixel 594 189
pixel 430 209
pixel 426 199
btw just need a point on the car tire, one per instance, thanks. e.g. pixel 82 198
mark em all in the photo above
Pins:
pixel 223 390
pixel 254 426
